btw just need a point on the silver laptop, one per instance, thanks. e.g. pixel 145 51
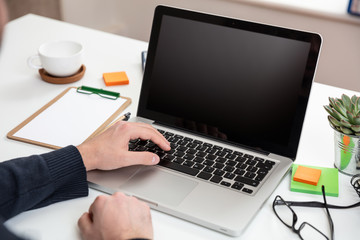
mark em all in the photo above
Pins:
pixel 231 96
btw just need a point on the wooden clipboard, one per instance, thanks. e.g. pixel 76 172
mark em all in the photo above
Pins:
pixel 66 117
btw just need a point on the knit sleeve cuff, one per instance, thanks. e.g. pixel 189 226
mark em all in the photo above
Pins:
pixel 67 172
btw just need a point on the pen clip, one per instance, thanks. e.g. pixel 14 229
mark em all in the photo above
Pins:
pixel 102 93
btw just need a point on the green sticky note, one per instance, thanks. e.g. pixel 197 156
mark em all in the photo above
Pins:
pixel 329 178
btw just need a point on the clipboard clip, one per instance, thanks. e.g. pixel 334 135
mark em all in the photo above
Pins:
pixel 102 93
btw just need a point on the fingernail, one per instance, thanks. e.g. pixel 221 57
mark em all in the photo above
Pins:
pixel 155 159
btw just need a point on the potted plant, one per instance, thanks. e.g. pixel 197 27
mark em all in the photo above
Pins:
pixel 344 118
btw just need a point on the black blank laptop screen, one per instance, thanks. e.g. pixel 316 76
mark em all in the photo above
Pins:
pixel 244 87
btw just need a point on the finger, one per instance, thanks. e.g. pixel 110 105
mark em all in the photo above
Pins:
pixel 85 223
pixel 145 131
pixel 97 204
pixel 151 130
pixel 142 158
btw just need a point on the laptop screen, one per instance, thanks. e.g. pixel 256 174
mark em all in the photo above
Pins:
pixel 235 81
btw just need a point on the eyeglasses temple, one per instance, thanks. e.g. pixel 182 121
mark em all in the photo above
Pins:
pixel 318 204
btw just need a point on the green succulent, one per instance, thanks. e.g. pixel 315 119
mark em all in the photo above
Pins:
pixel 345 114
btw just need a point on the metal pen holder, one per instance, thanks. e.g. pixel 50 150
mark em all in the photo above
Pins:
pixel 347 153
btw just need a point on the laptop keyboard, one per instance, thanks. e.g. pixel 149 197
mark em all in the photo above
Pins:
pixel 222 166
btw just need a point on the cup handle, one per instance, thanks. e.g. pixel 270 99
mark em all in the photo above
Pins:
pixel 31 64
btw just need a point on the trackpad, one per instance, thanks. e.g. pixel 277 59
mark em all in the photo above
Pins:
pixel 153 184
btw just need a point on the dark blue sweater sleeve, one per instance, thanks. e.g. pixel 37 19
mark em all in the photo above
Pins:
pixel 39 180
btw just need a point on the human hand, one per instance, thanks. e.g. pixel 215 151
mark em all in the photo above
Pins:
pixel 116 217
pixel 109 150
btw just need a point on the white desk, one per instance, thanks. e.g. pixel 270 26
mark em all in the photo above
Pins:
pixel 22 92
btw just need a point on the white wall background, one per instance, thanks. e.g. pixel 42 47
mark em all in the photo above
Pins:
pixel 340 57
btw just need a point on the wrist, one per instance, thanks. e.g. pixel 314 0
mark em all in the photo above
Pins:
pixel 86 156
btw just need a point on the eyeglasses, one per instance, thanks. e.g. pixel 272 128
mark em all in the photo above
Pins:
pixel 355 182
pixel 289 218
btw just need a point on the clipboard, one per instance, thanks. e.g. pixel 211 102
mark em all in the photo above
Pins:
pixel 72 117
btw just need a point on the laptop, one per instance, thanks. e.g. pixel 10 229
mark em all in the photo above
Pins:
pixel 230 96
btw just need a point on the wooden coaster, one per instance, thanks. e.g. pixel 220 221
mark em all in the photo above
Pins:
pixel 62 80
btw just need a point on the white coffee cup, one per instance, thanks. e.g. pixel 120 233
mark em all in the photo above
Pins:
pixel 58 58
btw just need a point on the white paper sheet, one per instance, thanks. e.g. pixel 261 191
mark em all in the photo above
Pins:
pixel 70 120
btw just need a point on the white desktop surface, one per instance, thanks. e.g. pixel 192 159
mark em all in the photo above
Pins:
pixel 22 92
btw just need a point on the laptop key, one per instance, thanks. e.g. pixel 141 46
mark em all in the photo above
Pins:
pixel 173 145
pixel 251 162
pixel 160 154
pixel 142 142
pixel 171 151
pixel 226 184
pixel 191 151
pixel 259 159
pixel 192 145
pixel 201 148
pixel 229 169
pixel 189 157
pixel 198 166
pixel 181 148
pixel 239 172
pixel 218 165
pixel 238 153
pixel 140 148
pixel 247 190
pixel 178 167
pixel 219 172
pixel 173 140
pixel 188 163
pixel 208 163
pixel 211 150
pixel 221 160
pixel 216 179
pixel 251 169
pixel 178 136
pixel 250 175
pixel 237 186
pixel 242 166
pixel 217 147
pixel 179 154
pixel 132 146
pixel 209 169
pixel 260 177
pixel 241 159
pixel 249 156
pixel 182 142
pixel 247 181
pixel 211 157
pixel 221 153
pixel 264 166
pixel 231 156
pixel 201 154
pixel 231 163
pixel 207 144
pixel 161 131
pixel 269 162
pixel 199 159
pixel 204 175
pixel 262 172
pixel 151 145
pixel 228 150
pixel 229 175
pixel 168 157
pixel 188 139
pixel 179 160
